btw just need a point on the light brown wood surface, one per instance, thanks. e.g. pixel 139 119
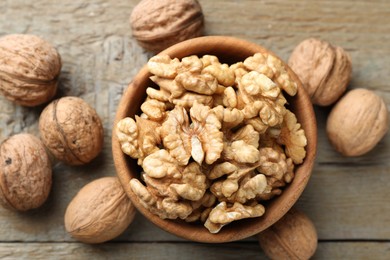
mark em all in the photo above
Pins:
pixel 347 198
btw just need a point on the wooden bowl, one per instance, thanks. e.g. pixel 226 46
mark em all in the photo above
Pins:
pixel 228 50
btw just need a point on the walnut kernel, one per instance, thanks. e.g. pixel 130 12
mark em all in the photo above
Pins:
pixel 213 143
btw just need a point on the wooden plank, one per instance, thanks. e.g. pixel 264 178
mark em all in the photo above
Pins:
pixel 169 251
pixel 347 198
pixel 348 202
pixel 353 250
pixel 47 223
pixel 134 251
pixel 343 202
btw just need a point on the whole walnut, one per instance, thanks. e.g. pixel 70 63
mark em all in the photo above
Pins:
pixel 25 173
pixel 292 237
pixel 357 122
pixel 29 69
pixel 72 130
pixel 157 25
pixel 325 70
pixel 99 212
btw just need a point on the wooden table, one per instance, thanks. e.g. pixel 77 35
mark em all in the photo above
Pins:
pixel 347 198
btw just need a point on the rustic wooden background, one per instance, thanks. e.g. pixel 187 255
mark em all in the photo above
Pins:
pixel 347 198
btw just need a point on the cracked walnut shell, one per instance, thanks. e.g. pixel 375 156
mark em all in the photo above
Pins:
pixel 357 122
pixel 157 25
pixel 325 70
pixel 99 212
pixel 25 172
pixel 29 69
pixel 71 130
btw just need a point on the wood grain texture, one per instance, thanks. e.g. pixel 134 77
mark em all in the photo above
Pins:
pixel 347 198
pixel 172 251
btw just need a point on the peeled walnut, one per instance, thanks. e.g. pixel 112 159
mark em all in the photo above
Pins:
pixel 99 212
pixel 214 140
pixel 171 190
pixel 357 122
pixel 292 237
pixel 25 173
pixel 29 69
pixel 72 130
pixel 221 215
pixel 201 140
pixel 324 69
pixel 159 24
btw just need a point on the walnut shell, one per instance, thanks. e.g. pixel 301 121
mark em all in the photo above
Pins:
pixel 157 25
pixel 71 130
pixel 324 70
pixel 25 173
pixel 99 212
pixel 292 237
pixel 29 69
pixel 357 122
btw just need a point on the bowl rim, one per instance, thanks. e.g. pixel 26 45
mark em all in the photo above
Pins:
pixel 241 229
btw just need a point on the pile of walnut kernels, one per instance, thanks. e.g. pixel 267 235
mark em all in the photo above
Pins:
pixel 214 140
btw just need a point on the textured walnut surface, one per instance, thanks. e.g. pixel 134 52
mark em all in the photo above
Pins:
pixel 293 237
pixel 26 174
pixel 93 39
pixel 159 24
pixel 71 130
pixel 29 69
pixel 357 122
pixel 99 212
pixel 324 69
